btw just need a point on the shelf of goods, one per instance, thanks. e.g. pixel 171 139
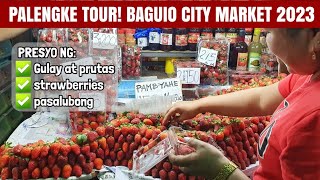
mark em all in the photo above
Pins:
pixel 181 54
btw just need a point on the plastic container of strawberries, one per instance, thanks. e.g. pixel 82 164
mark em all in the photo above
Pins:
pixel 131 62
pixel 244 77
pixel 215 75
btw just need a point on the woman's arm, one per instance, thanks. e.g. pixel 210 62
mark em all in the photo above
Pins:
pixel 8 33
pixel 252 102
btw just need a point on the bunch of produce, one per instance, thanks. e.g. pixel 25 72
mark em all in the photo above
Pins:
pixel 51 37
pixel 131 62
pixel 78 39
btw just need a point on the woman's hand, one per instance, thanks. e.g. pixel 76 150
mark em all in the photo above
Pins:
pixel 181 111
pixel 206 161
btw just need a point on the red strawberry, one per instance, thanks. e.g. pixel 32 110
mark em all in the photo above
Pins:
pixel 81 160
pixel 45 172
pixel 137 138
pixel 4 160
pixel 87 169
pixel 244 135
pixel 249 131
pixel 120 155
pixel 125 130
pixel 101 131
pixel 252 140
pixel 77 170
pixel 121 139
pixel 240 146
pixel 100 153
pixel 166 166
pixel 148 134
pixel 255 120
pixel 15 173
pixel 253 159
pixel 17 149
pixel 133 146
pixel 72 158
pixel 75 148
pixel 116 163
pixel 125 147
pixel 13 162
pixel 44 151
pixel 65 149
pixel 32 165
pixel 51 160
pixel 230 151
pixel 129 138
pixel 92 136
pixel 66 171
pixel 25 152
pixel 98 163
pixel 103 143
pixel 130 164
pixel 124 162
pixel 250 152
pixel 144 141
pixel 56 171
pixel 155 173
pixel 109 130
pixel 182 176
pixel 92 156
pixel 101 119
pixel 5 173
pixel 115 123
pixel 85 149
pixel 23 163
pixel 110 142
pixel 116 133
pixel 260 127
pixel 55 148
pixel 108 162
pixel 222 144
pixel 62 161
pixel 36 173
pixel 254 128
pixel 172 175
pixel 143 130
pixel 106 152
pixel 42 163
pixel 148 122
pixel 94 146
pixel 163 174
pixel 135 121
pixel 117 147
pixel 247 145
pixel 244 154
pixel 25 174
pixel 229 141
pixel 220 136
pixel 113 155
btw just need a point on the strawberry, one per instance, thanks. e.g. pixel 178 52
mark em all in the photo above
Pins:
pixel 252 140
pixel 172 175
pixel 148 134
pixel 115 123
pixel 230 151
pixel 249 131
pixel 182 176
pixel 13 162
pixel 75 148
pixel 98 162
pixel 17 149
pixel 113 155
pixel 244 154
pixel 124 163
pixel 32 165
pixel 144 141
pixel 130 164
pixel 56 170
pixel 125 130
pixel 159 165
pixel 92 136
pixel 166 166
pixel 222 144
pixel 4 161
pixel 109 130
pixel 106 152
pixel 45 172
pixel 77 170
pixel 66 171
pixel 65 149
pixel 116 163
pixel 25 174
pixel 110 142
pixel 250 151
pixel 5 173
pixel 92 156
pixel 229 141
pixel 130 138
pixel 203 136
pixel 125 147
pixel 15 173
pixel 143 130
pixel 121 139
pixel 100 119
pixel 163 174
pixel 117 147
pixel 85 149
pixel 155 173
pixel 255 120
pixel 101 131
pixel 137 138
pixel 135 121
pixel 72 158
pixel 260 127
pixel 148 122
pixel 44 151
pixel 133 146
pixel 253 159
pixel 23 163
pixel 55 148
pixel 244 135
pixel 81 160
pixel 220 136
pixel 116 133
pixel 254 128
pixel 239 145
pixel 42 163
pixel 108 162
pixel 100 153
pixel 246 145
pixel 62 161
pixel 36 173
pixel 94 146
pixel 87 168
pixel 103 143
pixel 120 155
pixel 25 152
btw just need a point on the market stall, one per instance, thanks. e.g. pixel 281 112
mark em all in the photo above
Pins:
pixel 123 141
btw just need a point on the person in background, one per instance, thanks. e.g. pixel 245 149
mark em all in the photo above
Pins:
pixel 289 147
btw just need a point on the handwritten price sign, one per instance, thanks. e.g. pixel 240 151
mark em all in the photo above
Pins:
pixel 189 75
pixel 208 56
pixel 104 40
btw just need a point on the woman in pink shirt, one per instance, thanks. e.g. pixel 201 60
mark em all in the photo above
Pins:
pixel 289 148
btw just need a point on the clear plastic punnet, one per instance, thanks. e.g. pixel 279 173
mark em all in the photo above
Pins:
pixel 150 155
pixel 52 37
pixel 214 55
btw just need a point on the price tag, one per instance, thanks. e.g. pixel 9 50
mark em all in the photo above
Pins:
pixel 99 101
pixel 208 56
pixel 104 40
pixel 189 75
pixel 166 87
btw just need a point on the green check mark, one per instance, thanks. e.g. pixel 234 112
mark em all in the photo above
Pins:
pixel 23 68
pixel 23 84
pixel 23 101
